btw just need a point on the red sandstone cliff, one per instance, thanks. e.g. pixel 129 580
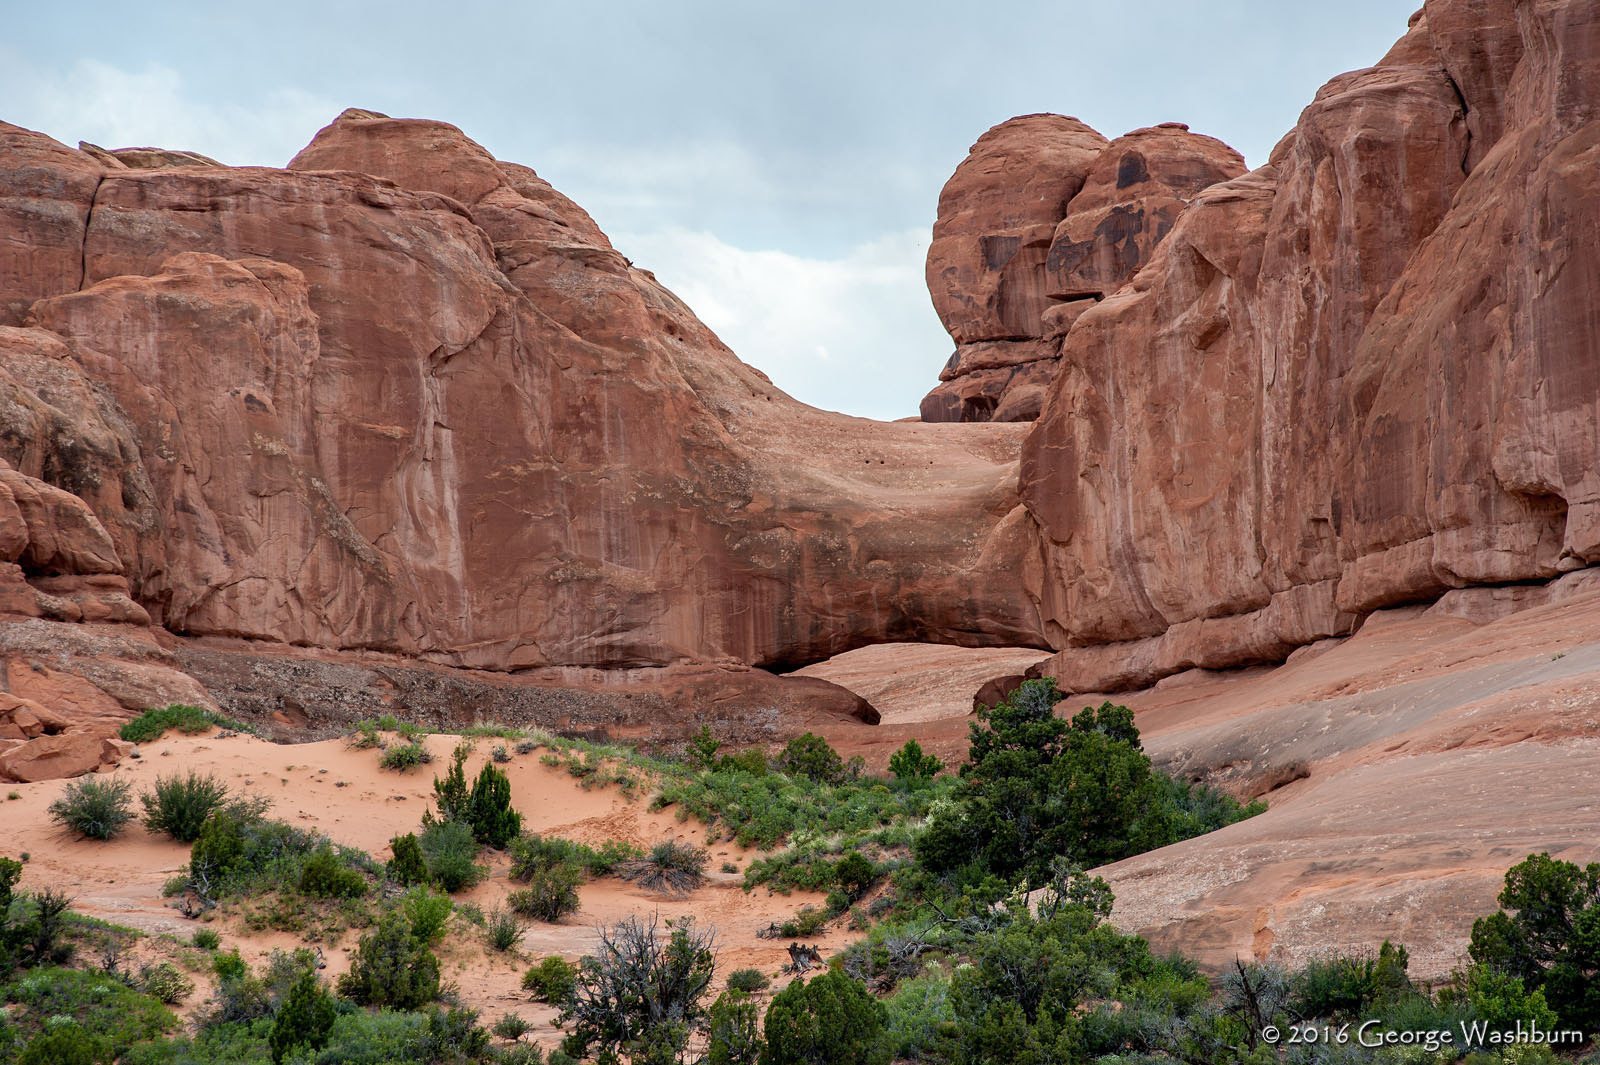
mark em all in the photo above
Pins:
pixel 1363 374
pixel 405 397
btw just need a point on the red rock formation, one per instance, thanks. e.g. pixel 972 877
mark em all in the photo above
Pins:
pixel 406 398
pixel 1363 374
pixel 1042 219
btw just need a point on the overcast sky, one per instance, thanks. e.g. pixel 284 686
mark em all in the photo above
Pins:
pixel 778 166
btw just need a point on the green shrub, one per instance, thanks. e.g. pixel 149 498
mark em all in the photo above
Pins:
pixel 749 980
pixel 190 720
pixel 640 993
pixel 551 894
pixel 324 876
pixel 238 852
pixel 67 1044
pixel 408 867
pixel 206 939
pixel 100 1003
pixel 670 867
pixel 503 929
pixel 551 981
pixel 427 913
pixel 751 760
pixel 391 968
pixel 530 852
pixel 1502 1002
pixel 179 806
pixel 1346 986
pixel 856 873
pixel 304 1020
pixel 165 983
pixel 919 1019
pixel 1551 942
pixel 511 1026
pixel 404 756
pixel 808 922
pixel 453 1036
pixel 381 1037
pixel 829 1018
pixel 229 966
pixel 494 823
pixel 733 1030
pixel 809 755
pixel 450 851
pixel 910 766
pixel 94 806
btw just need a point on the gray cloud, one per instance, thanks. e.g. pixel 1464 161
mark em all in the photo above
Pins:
pixel 808 139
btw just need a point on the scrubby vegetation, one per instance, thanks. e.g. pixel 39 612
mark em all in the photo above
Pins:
pixel 179 805
pixel 94 807
pixel 671 867
pixel 641 992
pixel 451 856
pixel 1037 787
pixel 190 720
pixel 404 756
pixel 983 940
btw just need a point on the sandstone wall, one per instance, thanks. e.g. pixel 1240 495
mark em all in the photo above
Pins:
pixel 1043 218
pixel 403 397
pixel 1363 374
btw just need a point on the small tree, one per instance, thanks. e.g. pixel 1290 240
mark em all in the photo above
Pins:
pixel 450 792
pixel 391 968
pixel 408 867
pixel 1552 940
pixel 856 874
pixel 702 752
pixel 494 822
pixel 832 1019
pixel 734 1030
pixel 639 993
pixel 809 755
pixel 304 1020
pixel 910 766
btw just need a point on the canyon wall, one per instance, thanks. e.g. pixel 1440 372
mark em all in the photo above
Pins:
pixel 406 398
pixel 1361 375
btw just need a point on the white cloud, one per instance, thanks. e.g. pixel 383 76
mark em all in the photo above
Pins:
pixel 116 108
pixel 855 333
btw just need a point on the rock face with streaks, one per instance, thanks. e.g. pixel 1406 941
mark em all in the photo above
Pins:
pixel 404 398
pixel 1364 374
pixel 1042 219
